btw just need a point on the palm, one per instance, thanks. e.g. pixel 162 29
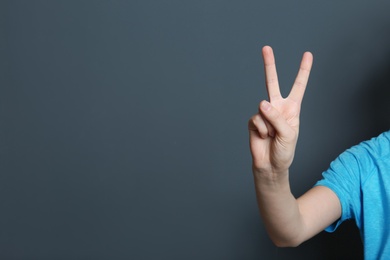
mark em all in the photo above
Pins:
pixel 273 146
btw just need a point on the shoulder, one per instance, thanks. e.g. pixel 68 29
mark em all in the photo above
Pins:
pixel 357 164
pixel 368 154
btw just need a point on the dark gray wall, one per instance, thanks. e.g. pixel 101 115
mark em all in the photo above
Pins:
pixel 123 123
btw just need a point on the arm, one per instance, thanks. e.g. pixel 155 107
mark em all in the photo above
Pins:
pixel 273 135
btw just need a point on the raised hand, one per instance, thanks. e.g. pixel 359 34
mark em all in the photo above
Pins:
pixel 273 137
pixel 274 129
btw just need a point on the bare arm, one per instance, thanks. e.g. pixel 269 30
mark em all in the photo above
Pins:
pixel 273 135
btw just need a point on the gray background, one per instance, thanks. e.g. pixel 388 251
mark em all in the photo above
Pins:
pixel 124 123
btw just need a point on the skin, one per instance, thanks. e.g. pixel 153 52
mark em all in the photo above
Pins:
pixel 273 133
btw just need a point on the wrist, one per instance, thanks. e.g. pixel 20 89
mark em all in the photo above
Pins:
pixel 271 178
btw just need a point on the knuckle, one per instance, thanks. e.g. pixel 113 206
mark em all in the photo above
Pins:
pixel 300 84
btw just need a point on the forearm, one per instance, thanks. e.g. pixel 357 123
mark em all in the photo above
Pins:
pixel 279 208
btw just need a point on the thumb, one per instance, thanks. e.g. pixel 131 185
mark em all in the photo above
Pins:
pixel 273 116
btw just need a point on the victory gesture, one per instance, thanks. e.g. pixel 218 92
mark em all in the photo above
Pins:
pixel 273 137
pixel 274 129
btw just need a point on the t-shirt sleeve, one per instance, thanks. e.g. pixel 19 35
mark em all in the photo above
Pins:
pixel 343 178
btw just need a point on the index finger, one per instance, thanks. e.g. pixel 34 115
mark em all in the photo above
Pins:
pixel 271 76
pixel 300 83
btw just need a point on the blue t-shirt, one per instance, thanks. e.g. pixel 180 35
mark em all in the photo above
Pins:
pixel 360 177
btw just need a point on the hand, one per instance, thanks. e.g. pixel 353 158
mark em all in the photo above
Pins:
pixel 274 129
